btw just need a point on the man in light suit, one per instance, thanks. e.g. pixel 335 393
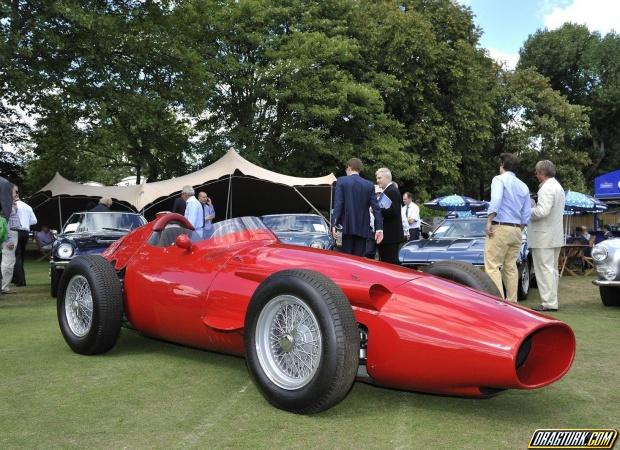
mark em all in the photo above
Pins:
pixel 354 197
pixel 546 234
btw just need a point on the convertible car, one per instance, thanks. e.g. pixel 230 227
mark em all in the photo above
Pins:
pixel 462 239
pixel 309 321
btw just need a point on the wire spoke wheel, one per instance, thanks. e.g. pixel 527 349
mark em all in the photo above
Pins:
pixel 79 305
pixel 288 342
pixel 525 278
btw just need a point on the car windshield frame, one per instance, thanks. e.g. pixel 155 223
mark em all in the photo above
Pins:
pixel 102 222
pixel 300 223
pixel 456 229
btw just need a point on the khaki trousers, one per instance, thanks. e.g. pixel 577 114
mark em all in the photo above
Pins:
pixel 8 259
pixel 500 259
pixel 547 275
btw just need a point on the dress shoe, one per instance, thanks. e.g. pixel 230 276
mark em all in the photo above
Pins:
pixel 543 309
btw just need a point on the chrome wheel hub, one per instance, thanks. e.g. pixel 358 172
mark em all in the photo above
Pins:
pixel 288 342
pixel 525 278
pixel 79 305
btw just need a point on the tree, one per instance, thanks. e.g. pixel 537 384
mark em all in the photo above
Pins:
pixel 584 67
pixel 423 59
pixel 286 96
pixel 537 122
pixel 119 77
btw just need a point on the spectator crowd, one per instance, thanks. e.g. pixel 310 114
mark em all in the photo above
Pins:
pixel 374 219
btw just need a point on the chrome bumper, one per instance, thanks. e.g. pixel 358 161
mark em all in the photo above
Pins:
pixel 58 265
pixel 606 283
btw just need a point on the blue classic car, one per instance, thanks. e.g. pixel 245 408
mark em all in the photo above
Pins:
pixel 309 230
pixel 462 239
pixel 88 233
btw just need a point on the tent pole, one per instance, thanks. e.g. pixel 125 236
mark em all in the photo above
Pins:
pixel 228 197
pixel 59 216
pixel 308 202
pixel 331 205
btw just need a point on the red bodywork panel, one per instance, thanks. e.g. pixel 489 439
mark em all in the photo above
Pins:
pixel 424 333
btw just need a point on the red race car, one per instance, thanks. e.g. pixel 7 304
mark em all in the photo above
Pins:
pixel 308 321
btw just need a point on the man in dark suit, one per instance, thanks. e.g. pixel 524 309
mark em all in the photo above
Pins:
pixel 354 198
pixel 393 233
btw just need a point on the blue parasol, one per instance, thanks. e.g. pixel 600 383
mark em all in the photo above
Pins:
pixel 578 202
pixel 457 203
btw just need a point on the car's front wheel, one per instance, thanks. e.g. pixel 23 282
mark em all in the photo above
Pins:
pixel 524 280
pixel 90 305
pixel 610 295
pixel 301 341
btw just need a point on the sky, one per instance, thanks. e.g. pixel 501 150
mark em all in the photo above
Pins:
pixel 506 24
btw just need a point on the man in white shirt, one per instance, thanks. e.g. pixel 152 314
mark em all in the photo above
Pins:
pixel 194 212
pixel 26 220
pixel 411 217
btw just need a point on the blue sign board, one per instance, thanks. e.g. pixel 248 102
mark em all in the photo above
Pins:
pixel 607 185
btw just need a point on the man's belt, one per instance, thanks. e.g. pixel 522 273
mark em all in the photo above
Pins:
pixel 508 224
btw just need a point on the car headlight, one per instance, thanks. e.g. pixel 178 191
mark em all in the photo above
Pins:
pixel 599 253
pixel 65 250
pixel 317 244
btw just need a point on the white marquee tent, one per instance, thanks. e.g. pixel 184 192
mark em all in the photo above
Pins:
pixel 237 187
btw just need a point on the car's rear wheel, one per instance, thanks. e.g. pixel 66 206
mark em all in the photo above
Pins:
pixel 301 341
pixel 610 295
pixel 524 280
pixel 90 305
pixel 465 274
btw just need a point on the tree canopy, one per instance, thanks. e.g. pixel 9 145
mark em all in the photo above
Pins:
pixel 585 67
pixel 159 88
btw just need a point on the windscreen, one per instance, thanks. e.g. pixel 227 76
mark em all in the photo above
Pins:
pixel 295 222
pixel 460 228
pixel 103 222
pixel 224 228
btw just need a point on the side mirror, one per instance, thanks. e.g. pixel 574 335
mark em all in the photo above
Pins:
pixel 183 241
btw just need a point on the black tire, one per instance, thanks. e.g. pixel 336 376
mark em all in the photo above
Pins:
pixel 610 296
pixel 337 360
pixel 99 276
pixel 54 279
pixel 465 274
pixel 524 280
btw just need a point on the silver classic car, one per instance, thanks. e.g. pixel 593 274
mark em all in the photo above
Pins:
pixel 606 258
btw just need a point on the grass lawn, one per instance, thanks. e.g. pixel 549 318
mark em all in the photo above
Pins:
pixel 151 394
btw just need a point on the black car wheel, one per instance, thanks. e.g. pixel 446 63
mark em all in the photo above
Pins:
pixel 610 295
pixel 90 305
pixel 524 280
pixel 465 274
pixel 301 341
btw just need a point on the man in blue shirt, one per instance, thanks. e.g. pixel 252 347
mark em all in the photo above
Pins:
pixel 509 213
pixel 208 213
